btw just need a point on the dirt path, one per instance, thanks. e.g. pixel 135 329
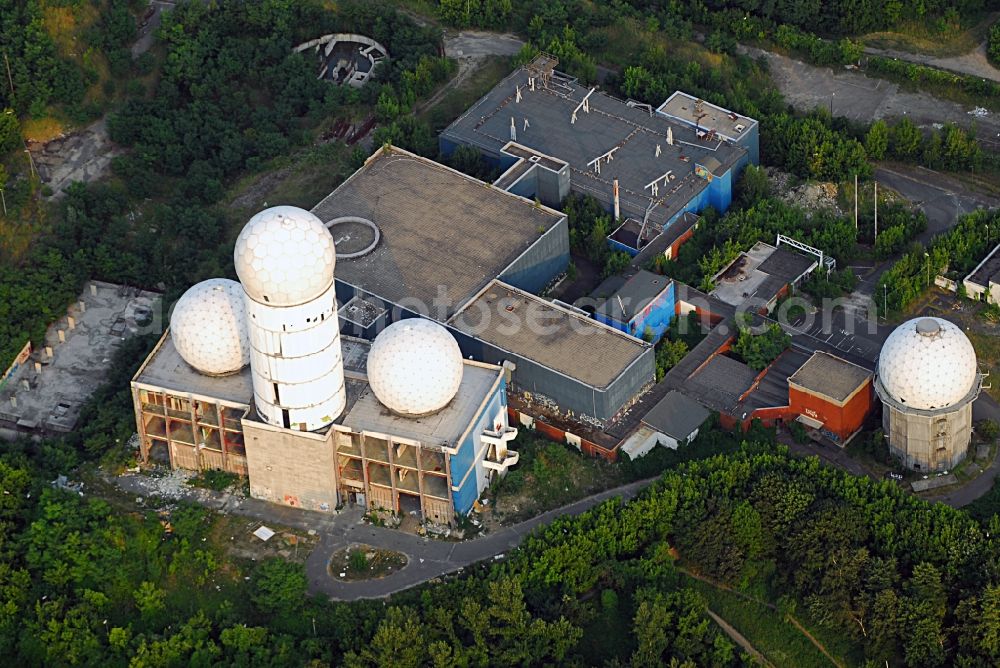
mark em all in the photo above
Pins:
pixel 771 606
pixel 739 638
pixel 469 48
pixel 975 63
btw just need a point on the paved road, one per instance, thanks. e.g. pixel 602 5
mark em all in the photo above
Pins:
pixel 854 95
pixel 147 33
pixel 941 197
pixel 428 558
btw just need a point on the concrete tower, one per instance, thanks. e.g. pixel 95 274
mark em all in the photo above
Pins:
pixel 285 259
pixel 927 380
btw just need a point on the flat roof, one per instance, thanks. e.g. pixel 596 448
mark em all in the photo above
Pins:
pixel 165 369
pixel 726 378
pixel 542 122
pixel 830 376
pixel 51 399
pixel 706 115
pixel 441 230
pixel 634 295
pixel 761 272
pixel 444 428
pixel 554 337
pixel 676 415
pixel 987 270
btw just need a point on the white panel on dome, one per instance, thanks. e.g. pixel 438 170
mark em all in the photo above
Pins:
pixel 209 327
pixel 415 367
pixel 927 363
pixel 284 256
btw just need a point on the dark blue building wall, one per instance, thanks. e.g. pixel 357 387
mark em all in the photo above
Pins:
pixel 657 316
pixel 543 261
pixel 465 459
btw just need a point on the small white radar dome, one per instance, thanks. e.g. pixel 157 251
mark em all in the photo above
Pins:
pixel 209 327
pixel 927 363
pixel 415 367
pixel 284 256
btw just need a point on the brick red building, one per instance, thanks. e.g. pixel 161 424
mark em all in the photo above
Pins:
pixel 831 395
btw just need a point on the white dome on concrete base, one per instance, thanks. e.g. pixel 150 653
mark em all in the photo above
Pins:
pixel 927 364
pixel 284 256
pixel 415 367
pixel 209 327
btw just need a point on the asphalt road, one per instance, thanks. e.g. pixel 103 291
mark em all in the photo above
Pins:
pixel 941 197
pixel 428 558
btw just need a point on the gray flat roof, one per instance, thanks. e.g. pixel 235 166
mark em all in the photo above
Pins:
pixel 706 115
pixel 725 377
pixel 786 264
pixel 535 329
pixel 610 124
pixel 166 370
pixel 830 376
pixel 636 293
pixel 440 229
pixel 676 415
pixel 443 428
pixel 987 270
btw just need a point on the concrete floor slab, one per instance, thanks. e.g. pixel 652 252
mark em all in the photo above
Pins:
pixel 46 393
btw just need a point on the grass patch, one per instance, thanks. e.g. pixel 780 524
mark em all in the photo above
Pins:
pixel 988 354
pixel 41 129
pixel 486 74
pixel 302 179
pixel 766 629
pixel 363 562
pixel 548 475
pixel 214 479
pixel 917 37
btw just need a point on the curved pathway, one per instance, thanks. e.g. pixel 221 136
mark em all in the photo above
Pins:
pixel 428 558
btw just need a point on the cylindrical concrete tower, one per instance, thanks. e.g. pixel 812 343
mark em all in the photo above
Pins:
pixel 927 380
pixel 285 259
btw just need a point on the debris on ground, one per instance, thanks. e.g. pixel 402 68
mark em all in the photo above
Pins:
pixel 812 196
pixel 979 112
pixel 264 533
pixel 167 484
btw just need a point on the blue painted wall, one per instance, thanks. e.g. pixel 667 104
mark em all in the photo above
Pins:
pixel 657 316
pixel 465 459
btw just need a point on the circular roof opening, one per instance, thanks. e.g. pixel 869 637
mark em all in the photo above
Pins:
pixel 353 236
pixel 928 326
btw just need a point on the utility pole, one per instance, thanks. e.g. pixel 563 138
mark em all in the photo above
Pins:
pixel 855 207
pixel 876 211
pixel 928 263
pixel 885 300
pixel 4 200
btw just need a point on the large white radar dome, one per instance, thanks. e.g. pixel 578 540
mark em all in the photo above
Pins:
pixel 209 327
pixel 415 367
pixel 284 256
pixel 927 363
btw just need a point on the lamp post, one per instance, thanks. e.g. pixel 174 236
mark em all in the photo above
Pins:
pixel 928 263
pixel 885 301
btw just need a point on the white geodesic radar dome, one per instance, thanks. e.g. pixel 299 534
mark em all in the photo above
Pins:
pixel 415 367
pixel 927 364
pixel 284 256
pixel 209 327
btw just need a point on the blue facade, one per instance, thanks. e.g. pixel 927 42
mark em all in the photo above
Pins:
pixel 656 316
pixel 466 462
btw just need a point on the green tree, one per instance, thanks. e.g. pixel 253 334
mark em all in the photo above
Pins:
pixel 877 140
pixel 10 131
